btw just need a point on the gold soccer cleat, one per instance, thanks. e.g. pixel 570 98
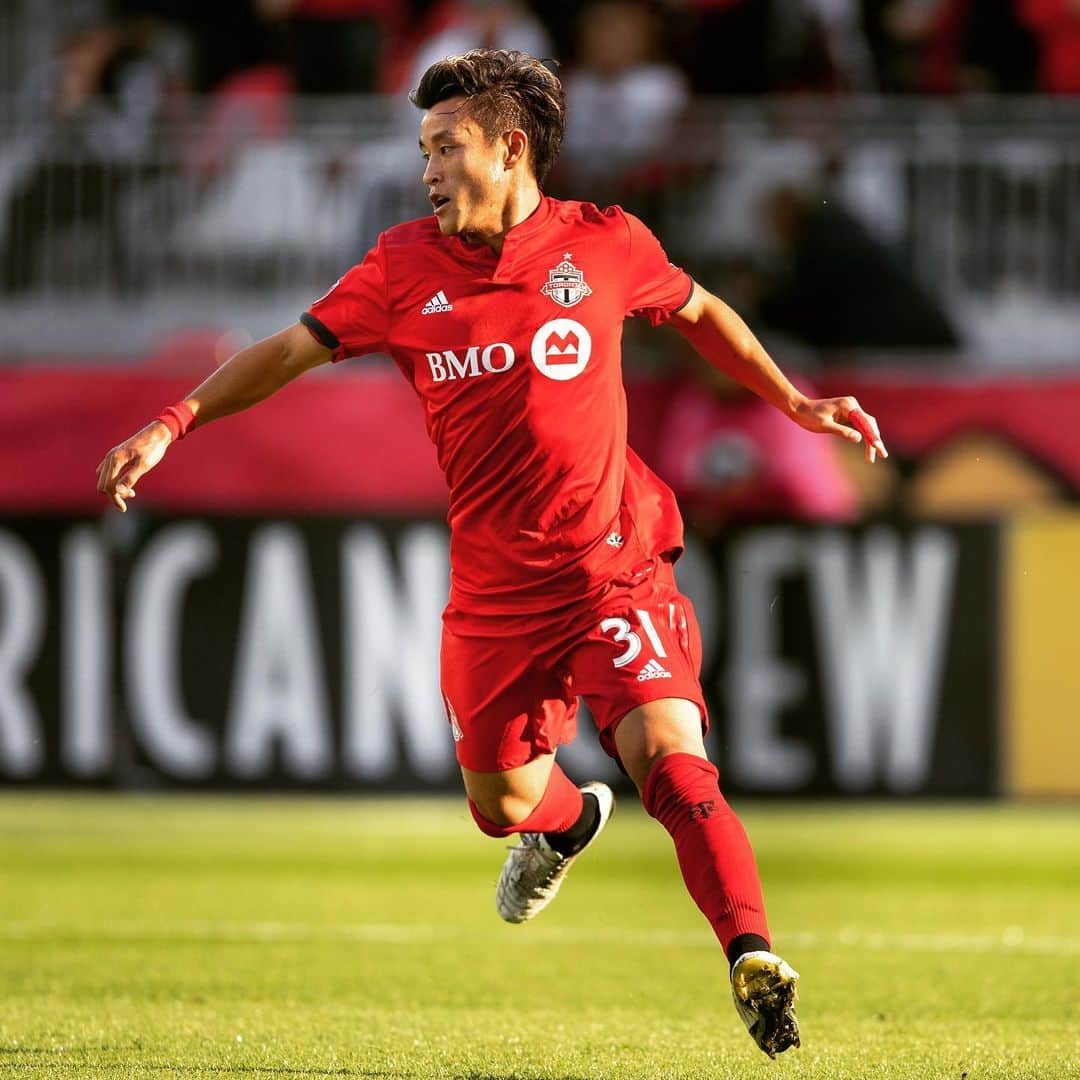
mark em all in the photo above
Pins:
pixel 763 988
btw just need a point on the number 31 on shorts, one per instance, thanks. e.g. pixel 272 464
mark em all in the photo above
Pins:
pixel 624 633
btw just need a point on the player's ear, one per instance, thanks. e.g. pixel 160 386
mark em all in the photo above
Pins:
pixel 517 147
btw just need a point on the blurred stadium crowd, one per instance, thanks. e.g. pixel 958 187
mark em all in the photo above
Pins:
pixel 851 174
pixel 701 46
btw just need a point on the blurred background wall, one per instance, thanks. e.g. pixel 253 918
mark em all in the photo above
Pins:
pixel 888 191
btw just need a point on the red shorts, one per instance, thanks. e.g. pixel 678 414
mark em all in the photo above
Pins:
pixel 511 688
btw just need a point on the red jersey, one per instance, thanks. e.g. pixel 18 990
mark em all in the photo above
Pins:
pixel 516 359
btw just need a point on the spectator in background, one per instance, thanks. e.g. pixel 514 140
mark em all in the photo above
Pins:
pixel 949 46
pixel 334 46
pixel 1056 26
pixel 86 125
pixel 841 23
pixel 756 46
pixel 560 20
pixel 225 38
pixel 896 31
pixel 726 46
pixel 840 287
pixel 453 27
pixel 977 46
pixel 624 102
pixel 728 460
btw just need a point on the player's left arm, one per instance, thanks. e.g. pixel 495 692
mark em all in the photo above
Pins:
pixel 726 342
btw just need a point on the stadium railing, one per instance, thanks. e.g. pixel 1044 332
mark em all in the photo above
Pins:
pixel 233 201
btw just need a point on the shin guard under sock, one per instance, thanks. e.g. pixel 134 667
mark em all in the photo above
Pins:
pixel 558 809
pixel 717 863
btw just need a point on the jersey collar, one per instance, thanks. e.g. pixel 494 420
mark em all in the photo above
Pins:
pixel 528 228
pixel 516 236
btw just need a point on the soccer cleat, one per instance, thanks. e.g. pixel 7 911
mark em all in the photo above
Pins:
pixel 763 987
pixel 533 870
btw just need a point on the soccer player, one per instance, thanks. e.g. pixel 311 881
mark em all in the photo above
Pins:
pixel 504 310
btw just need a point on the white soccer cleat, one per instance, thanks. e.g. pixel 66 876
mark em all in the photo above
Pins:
pixel 763 987
pixel 533 870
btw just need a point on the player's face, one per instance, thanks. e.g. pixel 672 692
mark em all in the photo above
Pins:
pixel 465 173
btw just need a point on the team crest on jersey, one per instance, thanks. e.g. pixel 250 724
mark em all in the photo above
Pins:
pixel 561 349
pixel 566 284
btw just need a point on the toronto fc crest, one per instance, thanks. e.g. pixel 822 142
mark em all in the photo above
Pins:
pixel 566 284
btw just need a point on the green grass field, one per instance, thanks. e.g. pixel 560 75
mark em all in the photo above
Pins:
pixel 194 937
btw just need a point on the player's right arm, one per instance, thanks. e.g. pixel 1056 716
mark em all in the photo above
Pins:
pixel 249 377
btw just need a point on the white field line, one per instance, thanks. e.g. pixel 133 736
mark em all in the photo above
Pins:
pixel 1010 938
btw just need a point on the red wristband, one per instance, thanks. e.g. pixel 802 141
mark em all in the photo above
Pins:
pixel 178 419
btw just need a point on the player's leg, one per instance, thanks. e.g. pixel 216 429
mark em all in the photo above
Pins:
pixel 535 797
pixel 660 745
pixel 639 670
pixel 508 714
pixel 555 822
pixel 661 748
pixel 507 797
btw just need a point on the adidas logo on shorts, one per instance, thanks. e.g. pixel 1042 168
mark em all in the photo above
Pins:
pixel 653 670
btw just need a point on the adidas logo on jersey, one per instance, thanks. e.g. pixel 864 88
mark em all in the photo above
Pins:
pixel 653 670
pixel 436 304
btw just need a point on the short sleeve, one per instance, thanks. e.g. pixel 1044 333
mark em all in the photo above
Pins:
pixel 655 288
pixel 353 318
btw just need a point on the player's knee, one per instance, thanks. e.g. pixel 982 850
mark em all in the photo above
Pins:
pixel 505 799
pixel 504 808
pixel 650 733
pixel 641 767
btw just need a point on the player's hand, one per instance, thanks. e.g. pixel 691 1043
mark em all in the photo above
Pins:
pixel 842 416
pixel 125 464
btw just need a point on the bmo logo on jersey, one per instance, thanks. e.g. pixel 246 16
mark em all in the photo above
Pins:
pixel 478 360
pixel 561 349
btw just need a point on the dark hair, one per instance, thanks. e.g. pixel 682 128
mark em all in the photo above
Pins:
pixel 506 89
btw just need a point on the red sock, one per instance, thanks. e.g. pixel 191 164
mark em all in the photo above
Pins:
pixel 715 857
pixel 559 808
